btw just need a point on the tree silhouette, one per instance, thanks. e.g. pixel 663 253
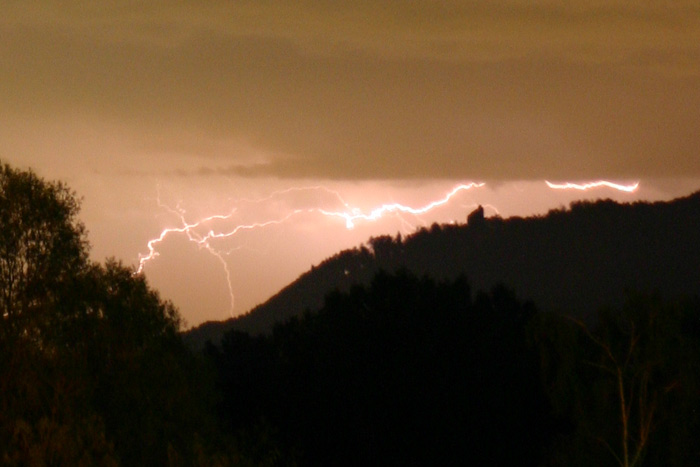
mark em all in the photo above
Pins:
pixel 42 250
pixel 92 366
pixel 43 261
pixel 626 383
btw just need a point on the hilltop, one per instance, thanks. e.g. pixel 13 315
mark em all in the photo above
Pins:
pixel 571 260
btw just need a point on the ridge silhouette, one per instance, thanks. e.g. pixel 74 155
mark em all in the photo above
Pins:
pixel 571 260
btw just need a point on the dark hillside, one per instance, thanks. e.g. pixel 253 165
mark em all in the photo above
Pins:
pixel 571 260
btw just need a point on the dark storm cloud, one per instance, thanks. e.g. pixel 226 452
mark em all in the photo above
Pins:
pixel 381 89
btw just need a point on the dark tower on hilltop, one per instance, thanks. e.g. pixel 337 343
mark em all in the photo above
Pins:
pixel 476 217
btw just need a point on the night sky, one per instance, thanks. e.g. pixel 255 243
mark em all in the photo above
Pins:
pixel 155 112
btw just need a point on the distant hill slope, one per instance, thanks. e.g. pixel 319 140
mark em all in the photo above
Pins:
pixel 573 260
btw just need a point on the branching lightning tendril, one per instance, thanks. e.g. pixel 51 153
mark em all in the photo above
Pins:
pixel 350 215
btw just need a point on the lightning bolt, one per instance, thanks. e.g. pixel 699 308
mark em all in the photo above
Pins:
pixel 350 215
pixel 591 185
pixel 377 213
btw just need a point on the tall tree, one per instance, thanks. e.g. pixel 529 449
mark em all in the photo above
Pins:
pixel 92 366
pixel 43 248
pixel 43 261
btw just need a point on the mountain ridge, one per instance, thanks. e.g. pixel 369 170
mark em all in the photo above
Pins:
pixel 573 260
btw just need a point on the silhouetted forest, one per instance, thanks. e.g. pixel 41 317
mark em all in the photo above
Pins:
pixel 411 371
pixel 400 367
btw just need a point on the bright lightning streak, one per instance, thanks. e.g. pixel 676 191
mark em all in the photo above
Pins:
pixel 192 230
pixel 379 212
pixel 588 186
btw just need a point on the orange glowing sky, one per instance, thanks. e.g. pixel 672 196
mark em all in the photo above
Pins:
pixel 212 103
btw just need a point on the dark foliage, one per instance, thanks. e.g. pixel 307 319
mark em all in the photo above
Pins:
pixel 411 371
pixel 92 366
pixel 406 371
pixel 627 386
pixel 42 250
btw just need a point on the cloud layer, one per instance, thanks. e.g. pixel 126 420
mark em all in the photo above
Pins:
pixel 375 90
